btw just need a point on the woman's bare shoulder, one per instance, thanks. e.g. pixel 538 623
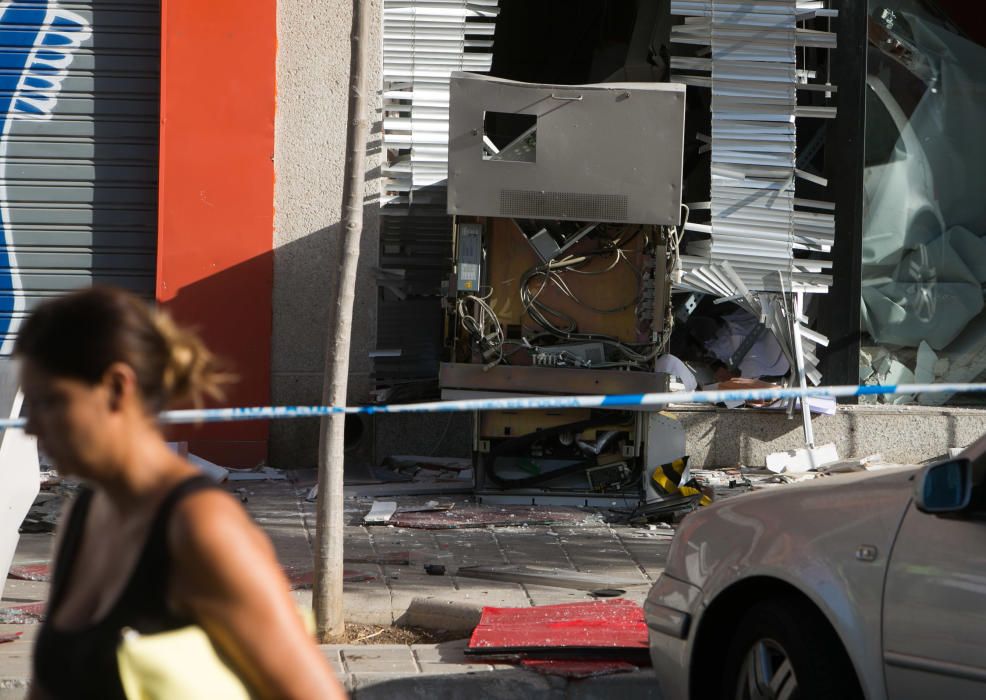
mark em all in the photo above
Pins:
pixel 210 517
pixel 212 540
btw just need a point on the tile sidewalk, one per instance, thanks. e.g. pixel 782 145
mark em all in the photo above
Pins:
pixel 432 671
pixel 626 553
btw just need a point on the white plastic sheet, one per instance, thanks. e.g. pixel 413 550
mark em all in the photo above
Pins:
pixel 19 473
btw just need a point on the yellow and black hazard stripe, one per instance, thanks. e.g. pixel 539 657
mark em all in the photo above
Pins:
pixel 667 481
pixel 691 489
pixel 667 477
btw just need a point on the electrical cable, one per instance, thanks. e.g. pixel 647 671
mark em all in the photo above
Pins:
pixel 480 321
pixel 476 327
pixel 537 309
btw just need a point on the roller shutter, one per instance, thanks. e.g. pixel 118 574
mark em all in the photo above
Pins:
pixel 79 100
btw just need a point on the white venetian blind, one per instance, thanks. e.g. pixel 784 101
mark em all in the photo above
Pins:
pixel 749 60
pixel 424 41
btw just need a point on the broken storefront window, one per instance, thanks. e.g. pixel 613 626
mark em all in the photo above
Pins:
pixel 924 221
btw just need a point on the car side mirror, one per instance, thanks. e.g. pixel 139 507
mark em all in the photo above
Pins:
pixel 944 487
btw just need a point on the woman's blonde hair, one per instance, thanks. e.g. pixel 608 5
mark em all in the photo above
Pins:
pixel 81 334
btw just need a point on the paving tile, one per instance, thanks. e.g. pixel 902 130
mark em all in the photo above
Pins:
pixel 379 659
pixel 547 595
pixel 428 667
pixel 637 595
pixel 376 651
pixel 415 578
pixel 338 669
pixel 369 607
pixel 646 552
pixel 475 586
pixel 33 548
pixel 19 592
pixel 28 633
pixel 332 653
pixel 452 652
pixel 15 691
pixel 16 666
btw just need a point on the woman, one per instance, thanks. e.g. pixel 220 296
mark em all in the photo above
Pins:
pixel 149 543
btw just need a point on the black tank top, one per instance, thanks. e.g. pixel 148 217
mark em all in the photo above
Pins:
pixel 81 663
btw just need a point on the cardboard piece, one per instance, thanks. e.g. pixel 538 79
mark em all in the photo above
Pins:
pixel 381 512
pixel 213 471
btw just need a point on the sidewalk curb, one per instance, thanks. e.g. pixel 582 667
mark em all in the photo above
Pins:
pixel 505 683
pixel 476 685
pixel 440 615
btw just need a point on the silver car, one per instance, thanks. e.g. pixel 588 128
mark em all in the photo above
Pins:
pixel 869 585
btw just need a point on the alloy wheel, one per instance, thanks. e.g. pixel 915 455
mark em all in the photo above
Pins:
pixel 766 673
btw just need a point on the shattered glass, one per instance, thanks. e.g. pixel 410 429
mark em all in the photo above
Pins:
pixel 924 220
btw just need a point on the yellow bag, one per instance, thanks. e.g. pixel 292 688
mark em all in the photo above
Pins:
pixel 181 664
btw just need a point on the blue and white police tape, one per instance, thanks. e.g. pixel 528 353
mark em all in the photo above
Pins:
pixel 655 401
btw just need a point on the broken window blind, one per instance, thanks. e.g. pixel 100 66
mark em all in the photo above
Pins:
pixel 424 41
pixel 749 59
pixel 759 229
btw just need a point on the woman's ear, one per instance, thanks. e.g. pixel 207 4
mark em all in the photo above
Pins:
pixel 120 381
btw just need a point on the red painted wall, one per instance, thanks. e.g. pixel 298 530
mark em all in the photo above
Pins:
pixel 216 198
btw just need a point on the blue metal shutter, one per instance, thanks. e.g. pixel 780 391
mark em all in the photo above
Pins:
pixel 79 98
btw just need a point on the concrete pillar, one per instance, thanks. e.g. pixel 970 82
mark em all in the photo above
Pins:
pixel 310 138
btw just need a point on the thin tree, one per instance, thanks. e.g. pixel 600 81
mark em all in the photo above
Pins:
pixel 327 599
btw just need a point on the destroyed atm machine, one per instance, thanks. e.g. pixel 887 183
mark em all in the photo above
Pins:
pixel 567 213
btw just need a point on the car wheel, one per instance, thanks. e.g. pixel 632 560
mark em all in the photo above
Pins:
pixel 784 650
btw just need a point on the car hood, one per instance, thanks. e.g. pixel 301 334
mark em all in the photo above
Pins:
pixel 802 525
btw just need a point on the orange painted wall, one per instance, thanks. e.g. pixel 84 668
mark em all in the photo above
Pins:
pixel 216 198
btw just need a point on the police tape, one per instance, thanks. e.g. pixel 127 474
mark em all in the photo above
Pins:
pixel 654 401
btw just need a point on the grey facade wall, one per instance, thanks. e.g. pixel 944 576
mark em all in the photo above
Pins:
pixel 310 137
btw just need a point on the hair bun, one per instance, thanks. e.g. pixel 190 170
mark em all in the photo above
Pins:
pixel 191 372
pixel 81 334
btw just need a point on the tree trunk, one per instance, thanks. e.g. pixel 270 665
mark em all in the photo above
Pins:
pixel 327 599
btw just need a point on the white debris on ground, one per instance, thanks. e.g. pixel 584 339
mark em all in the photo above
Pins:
pixel 211 470
pixel 259 474
pixel 726 483
pixel 802 460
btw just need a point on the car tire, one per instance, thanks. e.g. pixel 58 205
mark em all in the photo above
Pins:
pixel 783 649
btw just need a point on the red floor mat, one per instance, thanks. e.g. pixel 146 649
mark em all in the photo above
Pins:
pixel 610 629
